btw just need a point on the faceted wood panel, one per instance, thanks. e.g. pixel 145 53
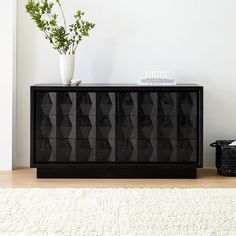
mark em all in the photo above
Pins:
pixel 105 127
pixel 105 150
pixel 127 104
pixel 46 127
pixel 147 127
pixel 167 103
pixel 166 150
pixel 86 104
pixel 85 127
pixel 147 150
pixel 147 104
pixel 126 150
pixel 126 127
pixel 167 127
pixel 187 127
pixel 187 103
pixel 123 127
pixel 66 104
pixel 66 127
pixel 46 103
pixel 85 150
pixel 187 150
pixel 45 150
pixel 106 104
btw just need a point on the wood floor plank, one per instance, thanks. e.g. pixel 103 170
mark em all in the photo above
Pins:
pixel 26 178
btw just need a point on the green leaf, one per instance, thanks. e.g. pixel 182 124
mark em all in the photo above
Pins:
pixel 41 12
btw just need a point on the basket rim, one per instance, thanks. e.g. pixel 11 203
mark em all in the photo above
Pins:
pixel 224 143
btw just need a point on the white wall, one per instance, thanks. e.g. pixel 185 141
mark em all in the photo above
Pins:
pixel 7 66
pixel 195 40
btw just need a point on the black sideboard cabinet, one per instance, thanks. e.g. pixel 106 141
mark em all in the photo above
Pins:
pixel 116 131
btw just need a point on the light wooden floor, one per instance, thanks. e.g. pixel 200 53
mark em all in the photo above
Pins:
pixel 25 178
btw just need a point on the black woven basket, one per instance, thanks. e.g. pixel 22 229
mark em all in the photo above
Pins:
pixel 225 157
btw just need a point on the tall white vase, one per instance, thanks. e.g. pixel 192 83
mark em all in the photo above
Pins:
pixel 67 67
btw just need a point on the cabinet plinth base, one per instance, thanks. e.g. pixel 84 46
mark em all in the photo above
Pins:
pixel 126 171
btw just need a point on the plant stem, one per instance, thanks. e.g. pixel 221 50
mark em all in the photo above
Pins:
pixel 72 48
pixel 64 19
pixel 75 48
pixel 63 16
pixel 50 17
pixel 52 42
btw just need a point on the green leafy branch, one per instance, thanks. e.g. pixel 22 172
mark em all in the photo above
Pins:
pixel 64 40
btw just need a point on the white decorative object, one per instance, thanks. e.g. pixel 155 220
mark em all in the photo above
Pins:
pixel 67 67
pixel 156 82
pixel 117 211
pixel 233 143
pixel 156 78
pixel 75 82
pixel 156 75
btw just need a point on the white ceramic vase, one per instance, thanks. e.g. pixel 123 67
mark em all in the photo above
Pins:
pixel 67 67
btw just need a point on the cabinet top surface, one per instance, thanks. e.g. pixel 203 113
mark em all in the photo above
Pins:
pixel 103 85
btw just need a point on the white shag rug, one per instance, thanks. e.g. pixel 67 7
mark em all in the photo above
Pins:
pixel 113 212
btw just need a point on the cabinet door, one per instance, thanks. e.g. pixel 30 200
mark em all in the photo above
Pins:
pixel 147 127
pixel 187 144
pixel 177 131
pixel 85 127
pixel 166 126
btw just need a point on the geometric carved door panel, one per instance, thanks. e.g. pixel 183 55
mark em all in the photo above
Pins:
pixel 116 127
